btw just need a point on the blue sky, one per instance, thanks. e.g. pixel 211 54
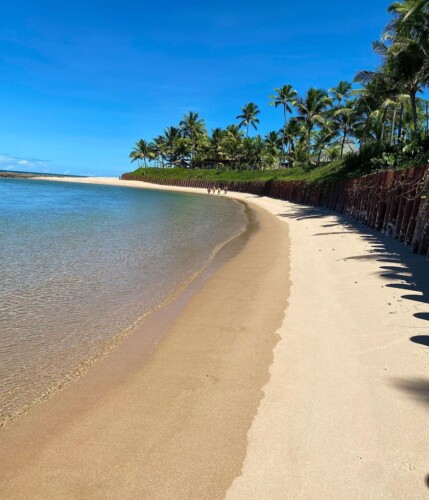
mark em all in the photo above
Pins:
pixel 82 81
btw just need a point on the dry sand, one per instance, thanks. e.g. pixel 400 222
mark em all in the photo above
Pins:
pixel 344 405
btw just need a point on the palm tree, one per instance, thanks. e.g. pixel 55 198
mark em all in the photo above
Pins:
pixel 341 92
pixel 160 149
pixel 299 155
pixel 285 97
pixel 323 136
pixel 294 131
pixel 192 127
pixel 384 88
pixel 143 150
pixel 274 142
pixel 231 144
pixel 424 106
pixel 253 153
pixel 234 131
pixel 410 21
pixel 175 146
pixel 216 139
pixel 401 100
pixel 311 111
pixel 345 118
pixel 408 66
pixel 248 116
pixel 407 49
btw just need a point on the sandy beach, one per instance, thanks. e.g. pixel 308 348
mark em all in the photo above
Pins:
pixel 297 370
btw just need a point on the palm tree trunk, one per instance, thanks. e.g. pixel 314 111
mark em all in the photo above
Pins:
pixel 366 130
pixel 401 116
pixel 392 135
pixel 191 160
pixel 427 120
pixel 283 136
pixel 383 124
pixel 291 153
pixel 309 145
pixel 343 142
pixel 319 156
pixel 414 109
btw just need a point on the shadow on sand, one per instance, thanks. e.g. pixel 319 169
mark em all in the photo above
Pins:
pixel 421 339
pixel 418 388
pixel 397 266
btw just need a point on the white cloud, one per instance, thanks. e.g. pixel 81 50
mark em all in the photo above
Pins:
pixel 8 162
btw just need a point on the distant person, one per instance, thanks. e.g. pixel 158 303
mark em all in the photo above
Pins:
pixel 209 189
pixel 225 189
pixel 218 190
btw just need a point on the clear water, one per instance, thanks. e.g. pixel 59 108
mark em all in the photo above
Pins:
pixel 80 264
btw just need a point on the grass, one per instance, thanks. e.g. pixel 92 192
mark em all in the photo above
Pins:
pixel 331 171
pixel 342 169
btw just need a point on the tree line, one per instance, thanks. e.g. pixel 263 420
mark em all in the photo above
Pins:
pixel 383 113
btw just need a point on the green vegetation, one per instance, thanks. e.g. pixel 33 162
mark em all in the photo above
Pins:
pixel 342 132
pixel 327 172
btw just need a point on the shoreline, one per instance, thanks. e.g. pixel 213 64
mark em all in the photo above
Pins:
pixel 340 400
pixel 197 373
pixel 171 306
pixel 207 268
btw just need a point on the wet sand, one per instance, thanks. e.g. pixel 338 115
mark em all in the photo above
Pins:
pixel 173 424
pixel 331 404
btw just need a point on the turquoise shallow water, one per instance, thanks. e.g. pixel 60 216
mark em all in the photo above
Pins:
pixel 81 263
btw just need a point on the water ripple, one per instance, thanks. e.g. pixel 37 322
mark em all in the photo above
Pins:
pixel 79 264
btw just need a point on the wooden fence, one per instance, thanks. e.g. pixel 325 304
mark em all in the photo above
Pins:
pixel 393 202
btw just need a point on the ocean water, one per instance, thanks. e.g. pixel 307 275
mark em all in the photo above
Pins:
pixel 80 264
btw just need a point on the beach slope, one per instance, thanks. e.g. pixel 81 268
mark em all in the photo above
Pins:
pixel 175 425
pixel 330 403
pixel 345 413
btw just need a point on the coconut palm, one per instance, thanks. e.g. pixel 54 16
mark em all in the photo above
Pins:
pixel 323 136
pixel 341 92
pixel 253 153
pixel 294 132
pixel 398 102
pixel 408 66
pixel 273 144
pixel 231 143
pixel 193 128
pixel 285 96
pixel 218 135
pixel 160 149
pixel 273 141
pixel 345 118
pixel 311 111
pixel 299 155
pixel 384 88
pixel 234 131
pixel 143 150
pixel 410 21
pixel 176 147
pixel 369 100
pixel 249 117
pixel 406 50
